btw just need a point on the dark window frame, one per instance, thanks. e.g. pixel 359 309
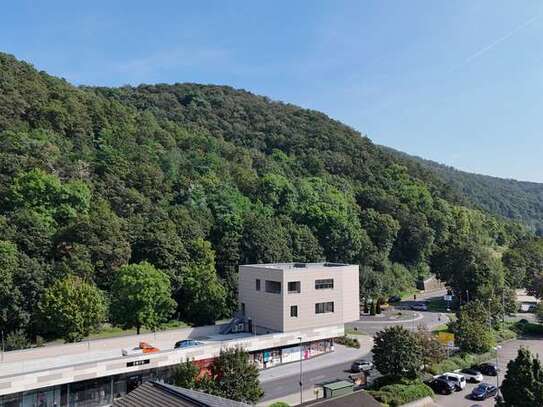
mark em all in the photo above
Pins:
pixel 324 307
pixel 297 289
pixel 324 284
pixel 257 283
pixel 295 313
pixel 272 287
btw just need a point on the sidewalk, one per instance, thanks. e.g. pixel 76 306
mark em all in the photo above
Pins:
pixel 341 354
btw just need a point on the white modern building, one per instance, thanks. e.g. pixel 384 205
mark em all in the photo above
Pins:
pixel 292 321
pixel 284 297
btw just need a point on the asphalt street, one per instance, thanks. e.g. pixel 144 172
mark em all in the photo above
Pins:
pixel 284 380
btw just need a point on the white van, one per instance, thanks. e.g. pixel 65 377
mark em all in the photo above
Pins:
pixel 458 380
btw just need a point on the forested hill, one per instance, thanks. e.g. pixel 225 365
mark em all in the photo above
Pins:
pixel 195 180
pixel 517 200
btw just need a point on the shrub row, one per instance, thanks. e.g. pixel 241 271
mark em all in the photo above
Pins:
pixel 401 393
pixel 460 361
pixel 348 341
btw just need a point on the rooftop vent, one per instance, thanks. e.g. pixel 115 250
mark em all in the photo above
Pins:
pixel 299 265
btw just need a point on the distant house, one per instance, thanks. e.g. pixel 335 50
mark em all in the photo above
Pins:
pixel 154 394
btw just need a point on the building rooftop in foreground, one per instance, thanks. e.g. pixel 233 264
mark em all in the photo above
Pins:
pixel 296 266
pixel 153 394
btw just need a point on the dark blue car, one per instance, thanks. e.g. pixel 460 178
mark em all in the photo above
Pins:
pixel 484 391
pixel 186 343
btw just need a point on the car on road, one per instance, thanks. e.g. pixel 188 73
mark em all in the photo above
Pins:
pixel 441 386
pixel 472 375
pixel 361 365
pixel 483 391
pixel 394 298
pixel 186 343
pixel 143 348
pixel 488 369
pixel 458 380
pixel 419 306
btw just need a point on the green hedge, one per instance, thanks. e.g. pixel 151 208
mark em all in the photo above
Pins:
pixel 348 341
pixel 528 328
pixel 279 404
pixel 398 394
pixel 460 362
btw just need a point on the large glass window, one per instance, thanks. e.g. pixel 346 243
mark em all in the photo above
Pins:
pixel 90 393
pixel 324 284
pixel 324 307
pixel 273 287
pixel 294 287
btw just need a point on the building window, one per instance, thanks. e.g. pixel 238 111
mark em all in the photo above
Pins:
pixel 257 284
pixel 324 284
pixel 294 287
pixel 242 308
pixel 324 307
pixel 294 311
pixel 273 287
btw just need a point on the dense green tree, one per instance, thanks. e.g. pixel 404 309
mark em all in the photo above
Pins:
pixel 397 352
pixel 201 296
pixel 264 240
pixel 522 385
pixel 432 350
pixel 72 308
pixel 185 375
pixel 472 328
pixel 236 377
pixel 141 297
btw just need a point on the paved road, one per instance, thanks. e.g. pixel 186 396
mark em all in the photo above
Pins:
pixel 283 380
pixel 508 352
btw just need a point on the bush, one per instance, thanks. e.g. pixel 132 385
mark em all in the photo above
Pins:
pixel 398 394
pixel 17 340
pixel 528 328
pixel 348 341
pixel 460 361
pixel 279 404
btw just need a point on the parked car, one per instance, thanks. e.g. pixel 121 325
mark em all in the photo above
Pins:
pixel 143 347
pixel 394 298
pixel 488 369
pixel 483 391
pixel 419 306
pixel 441 386
pixel 361 365
pixel 472 375
pixel 458 380
pixel 187 343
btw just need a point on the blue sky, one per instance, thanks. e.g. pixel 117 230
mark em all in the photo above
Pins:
pixel 459 82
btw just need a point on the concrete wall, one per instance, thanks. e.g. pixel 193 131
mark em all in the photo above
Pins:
pixel 273 310
pixel 265 309
pixel 46 375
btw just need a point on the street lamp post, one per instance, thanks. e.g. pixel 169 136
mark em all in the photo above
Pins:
pixel 498 347
pixel 301 371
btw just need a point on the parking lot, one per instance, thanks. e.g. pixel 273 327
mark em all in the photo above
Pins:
pixel 506 353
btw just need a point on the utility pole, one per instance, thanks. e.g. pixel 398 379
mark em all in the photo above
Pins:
pixel 3 348
pixel 301 369
pixel 498 347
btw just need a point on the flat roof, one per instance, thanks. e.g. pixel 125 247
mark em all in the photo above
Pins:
pixel 297 266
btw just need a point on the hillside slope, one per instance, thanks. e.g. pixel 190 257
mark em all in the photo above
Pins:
pixel 516 200
pixel 197 179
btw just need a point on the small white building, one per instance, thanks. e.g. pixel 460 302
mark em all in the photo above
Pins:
pixel 284 297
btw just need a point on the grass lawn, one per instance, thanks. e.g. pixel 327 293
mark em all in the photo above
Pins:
pixel 108 331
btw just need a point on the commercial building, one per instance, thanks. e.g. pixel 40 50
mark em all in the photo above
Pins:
pixel 284 297
pixel 94 373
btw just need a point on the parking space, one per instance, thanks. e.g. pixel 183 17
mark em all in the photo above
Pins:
pixel 506 353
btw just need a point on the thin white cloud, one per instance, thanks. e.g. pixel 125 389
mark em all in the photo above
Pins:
pixel 494 43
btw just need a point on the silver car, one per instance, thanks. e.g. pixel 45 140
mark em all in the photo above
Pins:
pixel 472 375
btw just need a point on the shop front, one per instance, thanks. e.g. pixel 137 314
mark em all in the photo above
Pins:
pixel 278 356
